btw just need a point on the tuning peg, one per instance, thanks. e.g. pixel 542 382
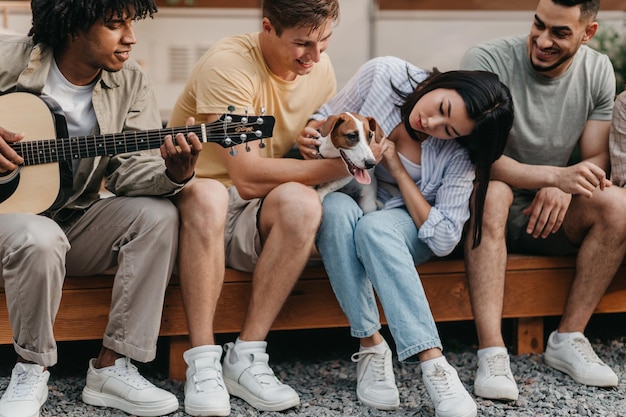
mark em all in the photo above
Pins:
pixel 259 120
pixel 244 119
pixel 232 151
pixel 227 117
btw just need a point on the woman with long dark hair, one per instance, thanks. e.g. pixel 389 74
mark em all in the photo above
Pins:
pixel 443 132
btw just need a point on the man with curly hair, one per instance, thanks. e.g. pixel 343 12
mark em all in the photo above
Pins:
pixel 77 54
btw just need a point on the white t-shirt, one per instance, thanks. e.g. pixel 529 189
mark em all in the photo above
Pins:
pixel 74 100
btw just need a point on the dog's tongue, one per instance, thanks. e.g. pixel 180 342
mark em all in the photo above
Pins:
pixel 362 176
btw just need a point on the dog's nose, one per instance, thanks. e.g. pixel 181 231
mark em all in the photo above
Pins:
pixel 370 163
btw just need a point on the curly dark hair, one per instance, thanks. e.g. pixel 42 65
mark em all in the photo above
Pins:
pixel 55 20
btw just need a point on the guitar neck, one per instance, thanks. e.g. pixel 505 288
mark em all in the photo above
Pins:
pixel 227 131
pixel 65 149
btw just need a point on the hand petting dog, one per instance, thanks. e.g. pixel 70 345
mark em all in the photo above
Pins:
pixel 358 141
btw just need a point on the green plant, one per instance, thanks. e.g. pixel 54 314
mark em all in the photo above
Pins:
pixel 612 41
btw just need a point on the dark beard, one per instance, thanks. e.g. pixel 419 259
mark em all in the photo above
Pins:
pixel 551 67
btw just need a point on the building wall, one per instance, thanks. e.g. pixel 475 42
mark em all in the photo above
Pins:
pixel 169 44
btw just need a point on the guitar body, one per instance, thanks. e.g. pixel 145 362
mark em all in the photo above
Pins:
pixel 35 187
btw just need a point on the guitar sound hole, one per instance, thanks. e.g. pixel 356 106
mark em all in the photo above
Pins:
pixel 6 177
pixel 9 181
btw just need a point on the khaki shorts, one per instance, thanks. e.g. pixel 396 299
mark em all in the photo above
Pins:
pixel 518 241
pixel 241 238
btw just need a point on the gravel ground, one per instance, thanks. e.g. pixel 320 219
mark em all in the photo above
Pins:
pixel 317 364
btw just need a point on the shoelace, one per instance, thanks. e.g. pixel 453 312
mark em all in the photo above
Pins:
pixel 376 364
pixel 27 381
pixel 130 374
pixel 261 370
pixel 498 364
pixel 443 382
pixel 583 347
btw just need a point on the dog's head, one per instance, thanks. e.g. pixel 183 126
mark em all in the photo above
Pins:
pixel 348 135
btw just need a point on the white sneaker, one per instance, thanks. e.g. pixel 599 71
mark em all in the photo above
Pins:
pixel 450 397
pixel 205 392
pixel 494 379
pixel 247 375
pixel 27 391
pixel 576 357
pixel 376 384
pixel 121 386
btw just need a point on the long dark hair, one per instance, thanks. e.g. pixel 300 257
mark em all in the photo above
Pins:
pixel 54 20
pixel 489 104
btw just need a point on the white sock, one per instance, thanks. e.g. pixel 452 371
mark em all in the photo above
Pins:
pixel 560 337
pixel 379 348
pixel 429 365
pixel 492 350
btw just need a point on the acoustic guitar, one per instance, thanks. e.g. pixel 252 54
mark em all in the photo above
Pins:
pixel 34 186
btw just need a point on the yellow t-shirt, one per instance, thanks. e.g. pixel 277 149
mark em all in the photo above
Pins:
pixel 234 73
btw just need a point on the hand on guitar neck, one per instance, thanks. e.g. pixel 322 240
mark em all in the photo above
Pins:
pixel 180 158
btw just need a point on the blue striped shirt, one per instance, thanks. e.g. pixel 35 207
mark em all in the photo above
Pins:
pixel 447 173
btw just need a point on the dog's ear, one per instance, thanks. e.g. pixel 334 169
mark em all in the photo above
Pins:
pixel 331 123
pixel 328 125
pixel 374 127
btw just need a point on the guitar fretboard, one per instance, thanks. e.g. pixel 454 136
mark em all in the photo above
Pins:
pixel 65 149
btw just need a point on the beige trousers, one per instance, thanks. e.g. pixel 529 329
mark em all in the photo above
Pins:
pixel 138 235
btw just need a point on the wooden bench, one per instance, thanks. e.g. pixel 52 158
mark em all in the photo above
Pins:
pixel 536 287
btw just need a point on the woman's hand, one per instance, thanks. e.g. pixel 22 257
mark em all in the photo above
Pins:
pixel 392 161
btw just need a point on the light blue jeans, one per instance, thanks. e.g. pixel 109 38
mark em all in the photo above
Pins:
pixel 377 252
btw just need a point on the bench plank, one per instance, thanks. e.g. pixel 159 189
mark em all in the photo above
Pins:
pixel 536 287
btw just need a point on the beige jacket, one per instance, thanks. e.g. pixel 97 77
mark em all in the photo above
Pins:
pixel 122 100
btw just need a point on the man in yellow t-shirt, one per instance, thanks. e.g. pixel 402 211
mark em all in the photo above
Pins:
pixel 255 211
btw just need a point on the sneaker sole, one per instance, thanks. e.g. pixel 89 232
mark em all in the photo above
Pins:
pixel 101 399
pixel 495 393
pixel 239 391
pixel 198 411
pixel 581 379
pixel 378 405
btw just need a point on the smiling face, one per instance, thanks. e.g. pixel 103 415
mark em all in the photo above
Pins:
pixel 441 113
pixel 296 50
pixel 555 37
pixel 106 45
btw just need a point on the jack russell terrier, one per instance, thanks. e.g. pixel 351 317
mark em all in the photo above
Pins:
pixel 347 136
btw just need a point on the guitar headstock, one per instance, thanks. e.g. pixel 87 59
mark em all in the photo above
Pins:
pixel 237 130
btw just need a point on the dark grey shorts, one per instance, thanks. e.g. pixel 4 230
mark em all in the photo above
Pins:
pixel 518 241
